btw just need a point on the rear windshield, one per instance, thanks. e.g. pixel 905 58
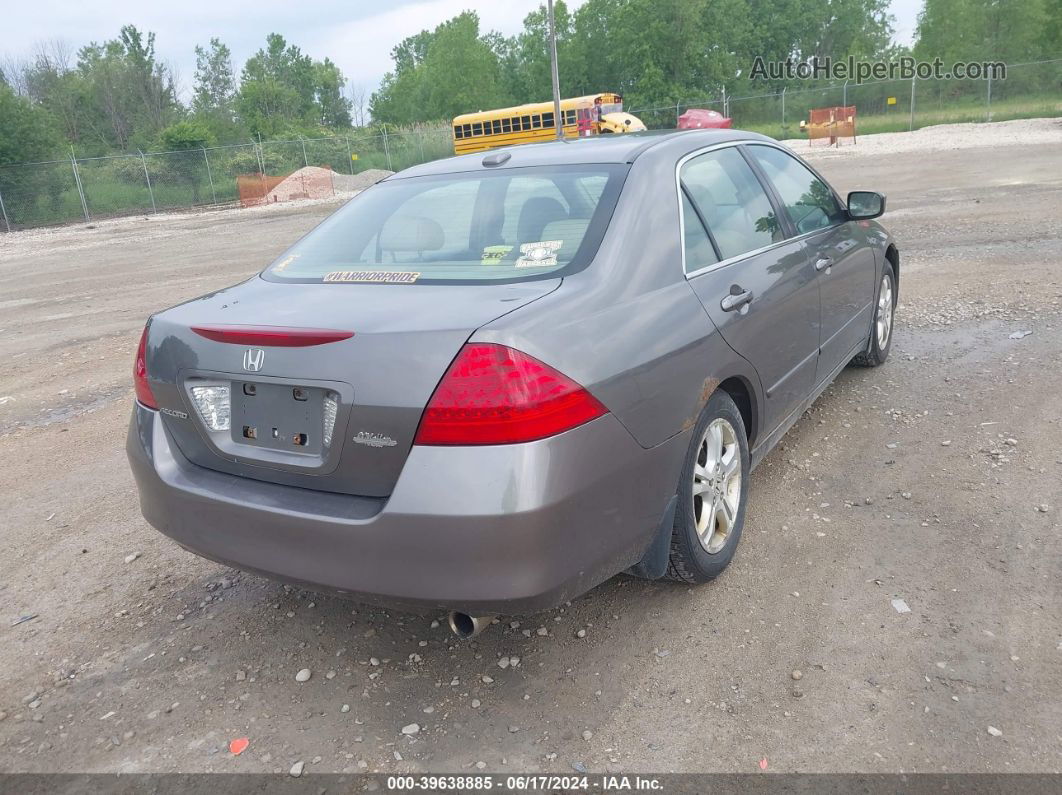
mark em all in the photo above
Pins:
pixel 489 226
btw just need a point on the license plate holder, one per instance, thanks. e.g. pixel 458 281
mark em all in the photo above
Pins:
pixel 284 417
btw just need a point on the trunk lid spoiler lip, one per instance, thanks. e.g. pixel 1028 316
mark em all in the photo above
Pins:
pixel 270 336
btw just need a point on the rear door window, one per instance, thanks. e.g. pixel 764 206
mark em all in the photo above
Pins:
pixel 732 202
pixel 698 251
pixel 808 200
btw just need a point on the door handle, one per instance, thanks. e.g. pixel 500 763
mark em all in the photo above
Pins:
pixel 736 300
pixel 823 264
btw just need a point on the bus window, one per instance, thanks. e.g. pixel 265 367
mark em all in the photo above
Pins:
pixel 477 128
pixel 505 126
pixel 536 122
pixel 547 120
pixel 458 132
pixel 526 122
pixel 468 130
pixel 496 126
pixel 569 117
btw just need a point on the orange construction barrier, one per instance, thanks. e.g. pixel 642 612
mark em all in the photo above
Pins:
pixel 311 182
pixel 830 125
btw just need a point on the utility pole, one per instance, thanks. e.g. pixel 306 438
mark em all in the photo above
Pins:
pixel 557 121
pixel 911 127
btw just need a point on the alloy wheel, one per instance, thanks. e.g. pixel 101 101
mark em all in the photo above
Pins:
pixel 883 322
pixel 717 485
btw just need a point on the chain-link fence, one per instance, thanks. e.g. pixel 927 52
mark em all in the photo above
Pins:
pixel 1029 90
pixel 82 189
pixel 87 188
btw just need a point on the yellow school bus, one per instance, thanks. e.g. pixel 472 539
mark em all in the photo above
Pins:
pixel 593 114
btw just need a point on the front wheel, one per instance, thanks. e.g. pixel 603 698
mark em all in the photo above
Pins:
pixel 712 494
pixel 881 329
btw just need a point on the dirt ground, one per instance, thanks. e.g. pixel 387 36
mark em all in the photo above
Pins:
pixel 935 480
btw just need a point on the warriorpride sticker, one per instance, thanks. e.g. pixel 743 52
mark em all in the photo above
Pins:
pixel 375 277
pixel 542 254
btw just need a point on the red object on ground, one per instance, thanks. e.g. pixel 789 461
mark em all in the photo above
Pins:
pixel 238 746
pixel 701 119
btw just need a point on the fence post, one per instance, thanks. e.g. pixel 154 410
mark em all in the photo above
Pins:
pixel 151 191
pixel 210 176
pixel 911 128
pixel 988 112
pixel 844 96
pixel 678 113
pixel 726 103
pixel 387 151
pixel 77 182
pixel 4 211
pixel 302 141
pixel 350 156
pixel 783 110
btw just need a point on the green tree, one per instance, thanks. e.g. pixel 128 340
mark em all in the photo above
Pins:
pixel 215 81
pixel 130 95
pixel 441 73
pixel 27 132
pixel 333 108
pixel 191 136
pixel 967 30
pixel 282 89
pixel 186 134
pixel 52 83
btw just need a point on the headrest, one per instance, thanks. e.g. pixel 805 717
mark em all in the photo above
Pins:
pixel 411 233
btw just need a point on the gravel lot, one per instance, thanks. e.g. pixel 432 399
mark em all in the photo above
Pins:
pixel 935 480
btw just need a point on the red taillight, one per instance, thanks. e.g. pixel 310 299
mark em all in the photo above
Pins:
pixel 274 336
pixel 140 381
pixel 496 395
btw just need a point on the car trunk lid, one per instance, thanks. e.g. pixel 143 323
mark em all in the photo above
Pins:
pixel 378 379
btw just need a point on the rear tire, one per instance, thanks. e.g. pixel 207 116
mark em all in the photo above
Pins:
pixel 712 494
pixel 881 329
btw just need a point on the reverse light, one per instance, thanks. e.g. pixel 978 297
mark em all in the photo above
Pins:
pixel 214 405
pixel 492 394
pixel 140 380
pixel 331 405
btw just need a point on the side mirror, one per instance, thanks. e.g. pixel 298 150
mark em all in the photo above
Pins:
pixel 865 204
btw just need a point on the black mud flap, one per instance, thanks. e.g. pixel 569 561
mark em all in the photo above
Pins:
pixel 654 563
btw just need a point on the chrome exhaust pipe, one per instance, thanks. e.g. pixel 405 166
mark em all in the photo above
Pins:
pixel 467 626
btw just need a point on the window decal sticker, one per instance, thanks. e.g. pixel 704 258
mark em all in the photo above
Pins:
pixel 379 277
pixel 492 255
pixel 542 254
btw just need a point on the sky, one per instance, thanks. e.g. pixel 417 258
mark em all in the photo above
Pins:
pixel 356 34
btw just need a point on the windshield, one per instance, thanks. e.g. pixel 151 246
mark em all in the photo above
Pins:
pixel 508 225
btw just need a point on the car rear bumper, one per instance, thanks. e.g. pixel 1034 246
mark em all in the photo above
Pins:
pixel 505 529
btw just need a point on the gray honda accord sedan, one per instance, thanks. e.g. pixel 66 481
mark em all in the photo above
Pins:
pixel 492 382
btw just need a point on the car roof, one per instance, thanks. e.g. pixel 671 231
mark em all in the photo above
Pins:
pixel 623 148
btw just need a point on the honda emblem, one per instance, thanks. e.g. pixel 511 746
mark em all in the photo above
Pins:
pixel 253 359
